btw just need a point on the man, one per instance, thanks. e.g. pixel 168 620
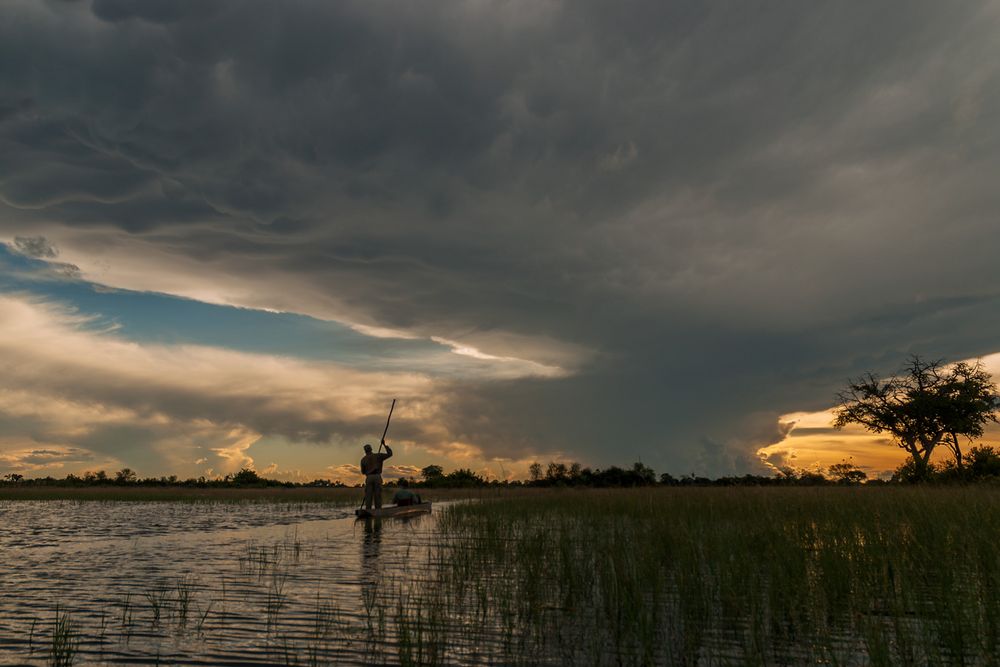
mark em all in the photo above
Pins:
pixel 371 468
pixel 404 496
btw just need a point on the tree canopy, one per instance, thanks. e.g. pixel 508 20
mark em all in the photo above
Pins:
pixel 846 472
pixel 927 403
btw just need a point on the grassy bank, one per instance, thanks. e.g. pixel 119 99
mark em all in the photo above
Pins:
pixel 717 576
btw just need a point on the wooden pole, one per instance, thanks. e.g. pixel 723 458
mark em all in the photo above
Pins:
pixel 391 408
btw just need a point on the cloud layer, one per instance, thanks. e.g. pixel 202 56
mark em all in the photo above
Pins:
pixel 709 217
pixel 66 384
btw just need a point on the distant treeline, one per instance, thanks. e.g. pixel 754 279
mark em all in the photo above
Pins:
pixel 128 477
pixel 981 464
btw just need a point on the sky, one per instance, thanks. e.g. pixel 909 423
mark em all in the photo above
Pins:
pixel 231 232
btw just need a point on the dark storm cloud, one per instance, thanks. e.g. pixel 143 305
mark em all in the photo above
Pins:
pixel 733 208
pixel 41 458
pixel 34 246
pixel 156 11
pixel 47 456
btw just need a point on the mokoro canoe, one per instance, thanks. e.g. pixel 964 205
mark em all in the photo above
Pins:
pixel 393 510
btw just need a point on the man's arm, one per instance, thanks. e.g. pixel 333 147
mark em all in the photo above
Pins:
pixel 388 453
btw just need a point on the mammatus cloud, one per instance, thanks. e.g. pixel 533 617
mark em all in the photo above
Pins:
pixel 707 217
pixel 35 246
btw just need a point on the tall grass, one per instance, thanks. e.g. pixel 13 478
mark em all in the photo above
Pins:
pixel 680 576
pixel 730 576
pixel 65 642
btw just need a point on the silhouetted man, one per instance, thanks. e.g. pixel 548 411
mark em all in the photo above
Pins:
pixel 404 496
pixel 371 468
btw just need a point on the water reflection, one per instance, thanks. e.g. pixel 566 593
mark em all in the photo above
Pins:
pixel 194 583
pixel 371 577
pixel 371 546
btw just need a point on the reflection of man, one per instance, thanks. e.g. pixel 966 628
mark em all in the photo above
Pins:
pixel 404 496
pixel 371 468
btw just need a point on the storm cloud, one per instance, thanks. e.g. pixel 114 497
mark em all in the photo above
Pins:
pixel 705 216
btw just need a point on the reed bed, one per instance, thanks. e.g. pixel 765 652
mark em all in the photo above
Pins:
pixel 713 576
pixel 673 576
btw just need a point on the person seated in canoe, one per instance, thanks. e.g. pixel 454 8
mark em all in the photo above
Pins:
pixel 371 468
pixel 404 496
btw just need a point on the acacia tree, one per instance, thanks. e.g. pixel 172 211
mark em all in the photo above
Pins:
pixel 846 472
pixel 926 404
pixel 432 473
pixel 970 401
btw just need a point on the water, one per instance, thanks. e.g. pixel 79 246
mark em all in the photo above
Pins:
pixel 200 583
pixel 306 584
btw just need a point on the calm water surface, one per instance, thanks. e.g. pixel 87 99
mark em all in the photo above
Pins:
pixel 205 583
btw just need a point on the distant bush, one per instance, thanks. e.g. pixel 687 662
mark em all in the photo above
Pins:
pixel 846 472
pixel 246 476
pixel 981 464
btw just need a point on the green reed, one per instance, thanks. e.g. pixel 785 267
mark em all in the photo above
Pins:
pixel 65 642
pixel 185 591
pixel 742 576
pixel 729 576
pixel 158 601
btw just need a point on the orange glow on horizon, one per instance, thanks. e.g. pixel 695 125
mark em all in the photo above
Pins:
pixel 813 444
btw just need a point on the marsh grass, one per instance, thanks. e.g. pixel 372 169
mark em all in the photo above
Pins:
pixel 157 600
pixel 125 616
pixel 275 599
pixel 65 642
pixel 185 591
pixel 717 576
pixel 681 576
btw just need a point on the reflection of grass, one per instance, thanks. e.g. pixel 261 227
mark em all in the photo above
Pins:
pixel 258 559
pixel 329 630
pixel 725 575
pixel 327 619
pixel 126 615
pixel 275 597
pixel 157 599
pixel 199 627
